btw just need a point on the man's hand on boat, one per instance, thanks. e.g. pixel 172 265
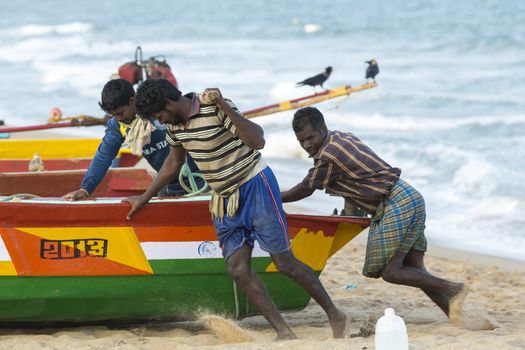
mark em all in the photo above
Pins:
pixel 137 202
pixel 76 195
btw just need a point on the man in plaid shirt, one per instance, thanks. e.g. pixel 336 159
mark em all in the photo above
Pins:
pixel 345 166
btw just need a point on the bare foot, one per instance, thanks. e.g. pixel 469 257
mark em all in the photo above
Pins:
pixel 455 304
pixel 340 325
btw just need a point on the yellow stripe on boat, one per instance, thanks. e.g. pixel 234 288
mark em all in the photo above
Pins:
pixel 50 149
pixel 314 248
pixel 7 268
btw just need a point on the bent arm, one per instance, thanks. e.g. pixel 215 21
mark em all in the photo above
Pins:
pixel 169 170
pixel 249 132
pixel 296 193
pixel 106 153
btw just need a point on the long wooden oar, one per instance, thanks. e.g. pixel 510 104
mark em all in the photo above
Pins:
pixel 36 127
pixel 307 100
pixel 252 113
pixel 77 120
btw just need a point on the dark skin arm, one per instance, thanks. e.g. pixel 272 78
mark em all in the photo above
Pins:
pixel 169 170
pixel 250 133
pixel 296 193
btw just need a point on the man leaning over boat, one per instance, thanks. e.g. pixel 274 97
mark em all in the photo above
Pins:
pixel 245 202
pixel 346 167
pixel 143 136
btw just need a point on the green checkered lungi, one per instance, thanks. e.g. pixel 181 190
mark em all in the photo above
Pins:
pixel 397 226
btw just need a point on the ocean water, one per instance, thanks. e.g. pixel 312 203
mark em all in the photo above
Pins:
pixel 449 109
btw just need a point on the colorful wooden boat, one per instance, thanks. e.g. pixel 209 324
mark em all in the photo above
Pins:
pixel 118 182
pixel 83 262
pixel 57 154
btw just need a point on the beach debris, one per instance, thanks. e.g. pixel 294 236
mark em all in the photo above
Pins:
pixel 349 286
pixel 226 331
pixel 366 328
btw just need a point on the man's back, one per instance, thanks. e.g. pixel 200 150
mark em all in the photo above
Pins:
pixel 345 166
pixel 208 137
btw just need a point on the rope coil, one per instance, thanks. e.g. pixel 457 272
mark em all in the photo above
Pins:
pixel 193 189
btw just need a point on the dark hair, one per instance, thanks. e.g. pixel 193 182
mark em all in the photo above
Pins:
pixel 116 93
pixel 152 96
pixel 307 116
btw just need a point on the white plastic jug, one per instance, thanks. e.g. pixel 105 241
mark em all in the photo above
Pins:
pixel 391 332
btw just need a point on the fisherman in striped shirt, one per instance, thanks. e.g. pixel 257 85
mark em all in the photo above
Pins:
pixel 245 204
pixel 346 167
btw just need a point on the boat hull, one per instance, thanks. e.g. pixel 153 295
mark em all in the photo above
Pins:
pixel 118 182
pixel 57 154
pixel 85 263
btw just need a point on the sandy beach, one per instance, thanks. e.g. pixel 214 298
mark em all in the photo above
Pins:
pixel 447 110
pixel 495 310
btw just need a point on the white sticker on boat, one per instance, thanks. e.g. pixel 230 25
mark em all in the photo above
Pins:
pixel 189 250
pixel 207 249
pixel 4 254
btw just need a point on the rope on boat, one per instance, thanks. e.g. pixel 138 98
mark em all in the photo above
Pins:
pixel 19 196
pixel 238 313
pixel 193 189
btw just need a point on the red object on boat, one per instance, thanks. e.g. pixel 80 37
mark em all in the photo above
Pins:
pixel 131 72
pixel 118 182
pixel 161 70
pixel 21 165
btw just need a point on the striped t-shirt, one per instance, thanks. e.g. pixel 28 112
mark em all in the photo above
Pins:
pixel 208 137
pixel 346 167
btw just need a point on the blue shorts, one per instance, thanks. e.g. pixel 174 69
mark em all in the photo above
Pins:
pixel 260 217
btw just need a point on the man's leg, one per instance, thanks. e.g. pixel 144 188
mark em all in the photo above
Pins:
pixel 239 269
pixel 414 258
pixel 288 264
pixel 409 269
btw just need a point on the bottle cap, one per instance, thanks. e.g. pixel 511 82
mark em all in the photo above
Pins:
pixel 390 312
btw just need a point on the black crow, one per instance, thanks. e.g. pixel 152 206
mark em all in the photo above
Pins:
pixel 372 70
pixel 318 79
